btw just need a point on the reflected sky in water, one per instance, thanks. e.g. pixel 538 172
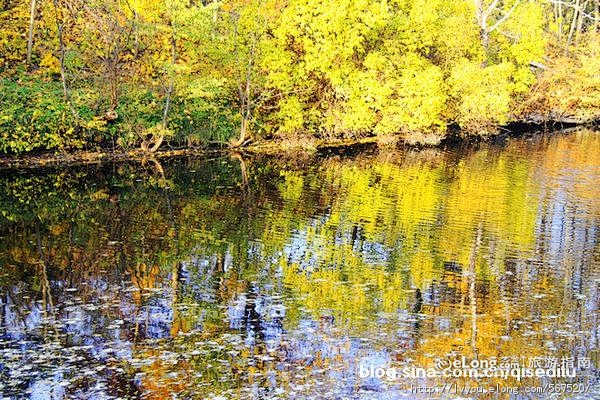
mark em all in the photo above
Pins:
pixel 257 278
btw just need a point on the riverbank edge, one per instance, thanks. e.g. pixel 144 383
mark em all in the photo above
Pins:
pixel 272 147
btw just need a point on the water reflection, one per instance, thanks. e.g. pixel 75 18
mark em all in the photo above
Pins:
pixel 254 278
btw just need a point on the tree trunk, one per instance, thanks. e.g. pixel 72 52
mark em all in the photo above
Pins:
pixel 481 16
pixel 483 20
pixel 152 145
pixel 61 45
pixel 485 39
pixel 172 81
pixel 32 8
pixel 244 87
pixel 114 80
pixel 560 21
pixel 573 25
pixel 243 129
pixel 580 23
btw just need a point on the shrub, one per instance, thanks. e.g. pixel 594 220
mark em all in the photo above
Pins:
pixel 481 96
pixel 34 116
pixel 570 86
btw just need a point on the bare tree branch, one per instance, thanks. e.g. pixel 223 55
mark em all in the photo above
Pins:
pixel 491 8
pixel 505 17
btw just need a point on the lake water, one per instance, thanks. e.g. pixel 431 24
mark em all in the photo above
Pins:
pixel 306 277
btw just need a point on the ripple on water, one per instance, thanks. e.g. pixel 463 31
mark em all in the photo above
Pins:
pixel 286 285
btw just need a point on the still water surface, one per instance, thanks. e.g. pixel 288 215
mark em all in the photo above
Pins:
pixel 258 278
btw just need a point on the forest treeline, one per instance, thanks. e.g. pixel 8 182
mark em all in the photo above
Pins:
pixel 144 73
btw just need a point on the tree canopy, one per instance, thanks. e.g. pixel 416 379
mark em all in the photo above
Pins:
pixel 128 73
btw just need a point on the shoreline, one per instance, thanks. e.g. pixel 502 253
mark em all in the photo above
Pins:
pixel 273 147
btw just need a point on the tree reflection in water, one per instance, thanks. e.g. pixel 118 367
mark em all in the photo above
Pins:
pixel 277 278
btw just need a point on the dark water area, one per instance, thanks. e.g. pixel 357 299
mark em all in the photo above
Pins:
pixel 275 278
